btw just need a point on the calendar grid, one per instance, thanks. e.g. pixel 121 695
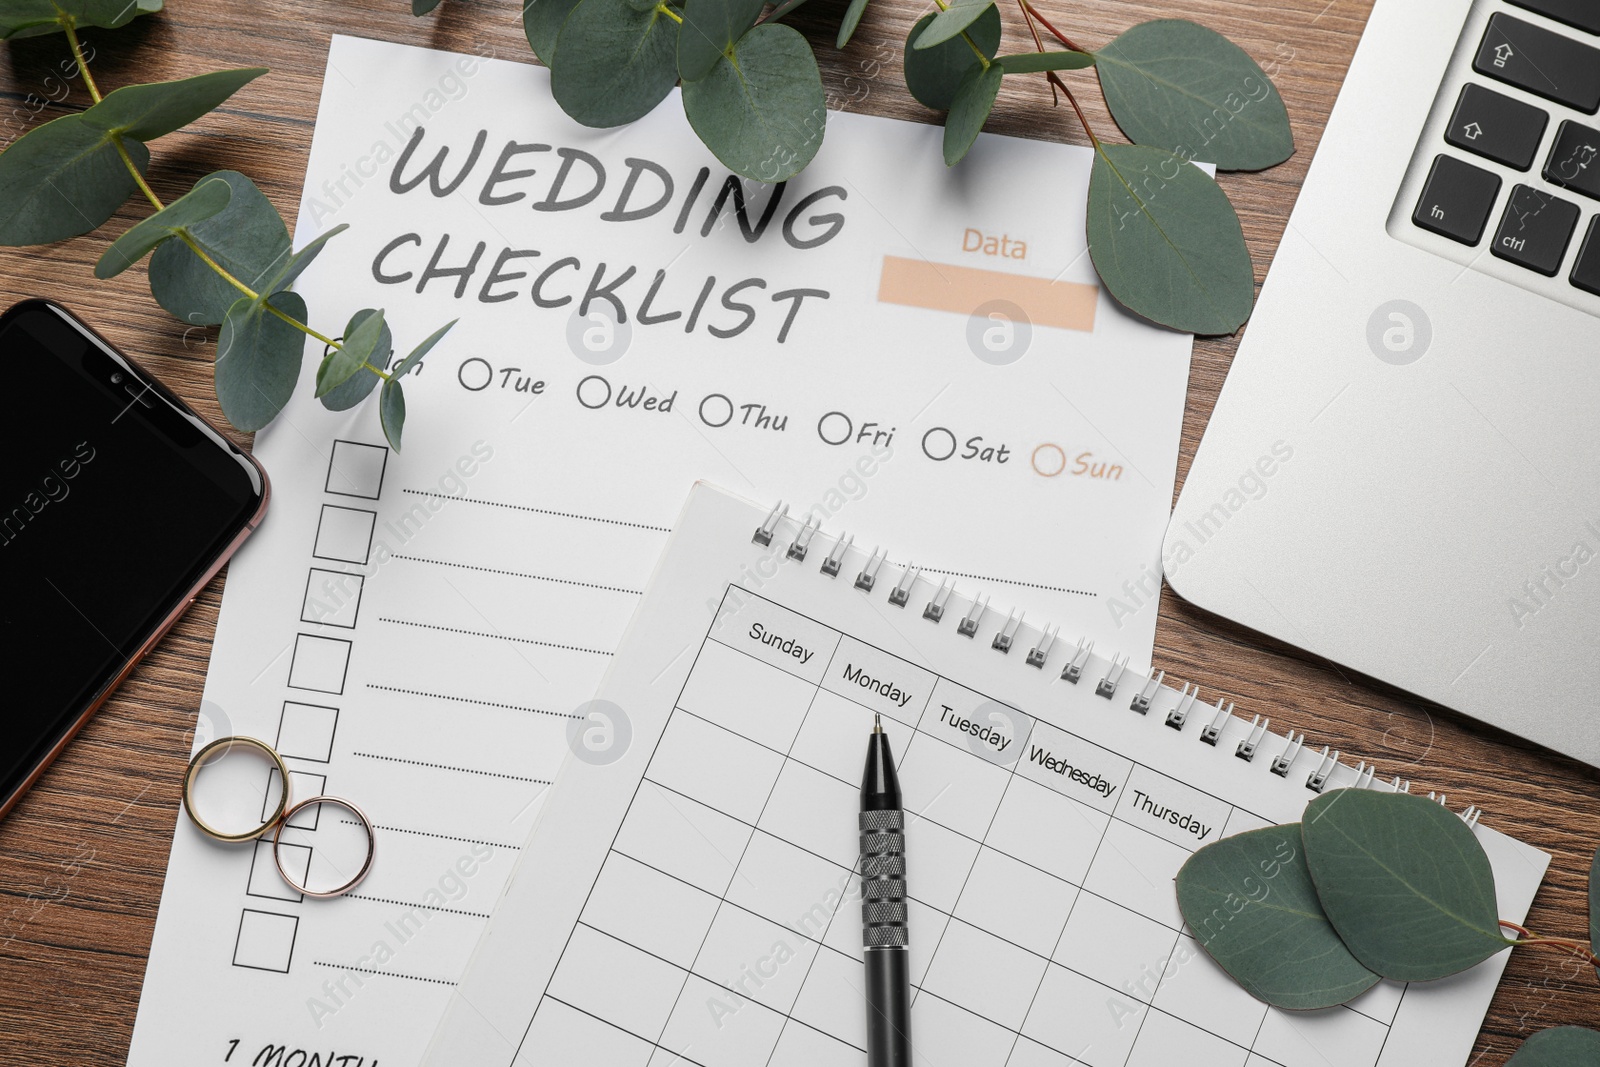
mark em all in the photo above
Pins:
pixel 748 725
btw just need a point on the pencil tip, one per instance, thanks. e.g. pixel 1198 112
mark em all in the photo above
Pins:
pixel 877 723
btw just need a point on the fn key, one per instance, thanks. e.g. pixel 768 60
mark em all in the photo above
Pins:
pixel 1457 200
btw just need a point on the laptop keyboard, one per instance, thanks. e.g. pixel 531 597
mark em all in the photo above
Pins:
pixel 1527 78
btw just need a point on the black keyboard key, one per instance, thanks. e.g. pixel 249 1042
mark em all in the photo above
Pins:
pixel 1535 230
pixel 1541 61
pixel 1584 14
pixel 1586 272
pixel 1574 161
pixel 1496 126
pixel 1457 200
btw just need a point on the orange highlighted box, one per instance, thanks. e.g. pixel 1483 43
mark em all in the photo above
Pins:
pixel 943 287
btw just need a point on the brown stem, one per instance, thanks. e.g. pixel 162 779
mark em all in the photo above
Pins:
pixel 1057 34
pixel 1055 96
pixel 1573 946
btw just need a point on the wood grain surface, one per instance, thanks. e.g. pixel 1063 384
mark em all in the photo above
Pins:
pixel 82 858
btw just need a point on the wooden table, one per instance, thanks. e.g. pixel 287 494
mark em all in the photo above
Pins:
pixel 82 858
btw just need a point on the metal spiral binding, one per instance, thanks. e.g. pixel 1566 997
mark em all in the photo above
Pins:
pixel 1002 640
pixel 869 573
pixel 1108 685
pixel 1213 730
pixel 902 589
pixel 1141 701
pixel 1317 781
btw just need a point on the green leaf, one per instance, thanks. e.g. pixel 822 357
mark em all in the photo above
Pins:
pixel 932 74
pixel 616 62
pixel 852 19
pixel 950 22
pixel 1404 881
pixel 761 111
pixel 414 359
pixel 392 411
pixel 302 259
pixel 1035 62
pixel 63 179
pixel 1250 902
pixel 541 22
pixel 354 391
pixel 258 359
pixel 709 30
pixel 422 7
pixel 970 109
pixel 209 196
pixel 1176 85
pixel 1166 240
pixel 362 338
pixel 247 239
pixel 145 112
pixel 31 18
pixel 1559 1046
pixel 783 9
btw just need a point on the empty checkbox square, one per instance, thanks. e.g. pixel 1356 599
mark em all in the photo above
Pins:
pixel 265 881
pixel 305 731
pixel 265 941
pixel 356 469
pixel 319 663
pixel 303 785
pixel 333 598
pixel 344 534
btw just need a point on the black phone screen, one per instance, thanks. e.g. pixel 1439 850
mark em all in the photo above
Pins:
pixel 114 501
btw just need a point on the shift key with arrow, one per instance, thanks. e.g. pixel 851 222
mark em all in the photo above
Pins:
pixel 1497 127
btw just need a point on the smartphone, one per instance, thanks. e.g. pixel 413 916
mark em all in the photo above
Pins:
pixel 117 505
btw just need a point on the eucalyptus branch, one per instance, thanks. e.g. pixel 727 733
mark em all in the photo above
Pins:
pixel 1581 949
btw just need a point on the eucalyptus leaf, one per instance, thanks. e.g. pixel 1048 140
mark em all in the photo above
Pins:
pixel 1404 881
pixel 541 23
pixel 247 239
pixel 950 22
pixel 359 386
pixel 62 179
pixel 709 30
pixel 361 341
pixel 1037 62
pixel 848 24
pixel 1177 85
pixel 302 259
pixel 392 411
pixel 932 74
pixel 422 7
pixel 761 111
pixel 1250 902
pixel 784 9
pixel 1166 242
pixel 32 18
pixel 1559 1046
pixel 208 197
pixel 615 62
pixel 970 109
pixel 258 359
pixel 145 112
pixel 414 358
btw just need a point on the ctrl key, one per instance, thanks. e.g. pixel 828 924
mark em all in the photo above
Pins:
pixel 1457 200
pixel 1535 230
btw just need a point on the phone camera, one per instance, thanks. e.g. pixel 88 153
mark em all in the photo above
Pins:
pixel 116 378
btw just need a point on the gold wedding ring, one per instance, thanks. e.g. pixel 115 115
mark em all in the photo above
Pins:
pixel 366 865
pixel 199 761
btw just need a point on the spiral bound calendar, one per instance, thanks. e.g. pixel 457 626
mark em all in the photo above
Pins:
pixel 689 896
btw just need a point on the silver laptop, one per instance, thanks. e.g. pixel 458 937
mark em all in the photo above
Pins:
pixel 1402 473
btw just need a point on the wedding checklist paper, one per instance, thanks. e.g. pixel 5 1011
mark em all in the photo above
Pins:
pixel 891 345
pixel 691 898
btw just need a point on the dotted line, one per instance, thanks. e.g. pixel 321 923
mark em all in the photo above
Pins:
pixel 425 907
pixel 1007 581
pixel 448 767
pixel 425 833
pixel 501 637
pixel 385 974
pixel 470 700
pixel 542 511
pixel 521 574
